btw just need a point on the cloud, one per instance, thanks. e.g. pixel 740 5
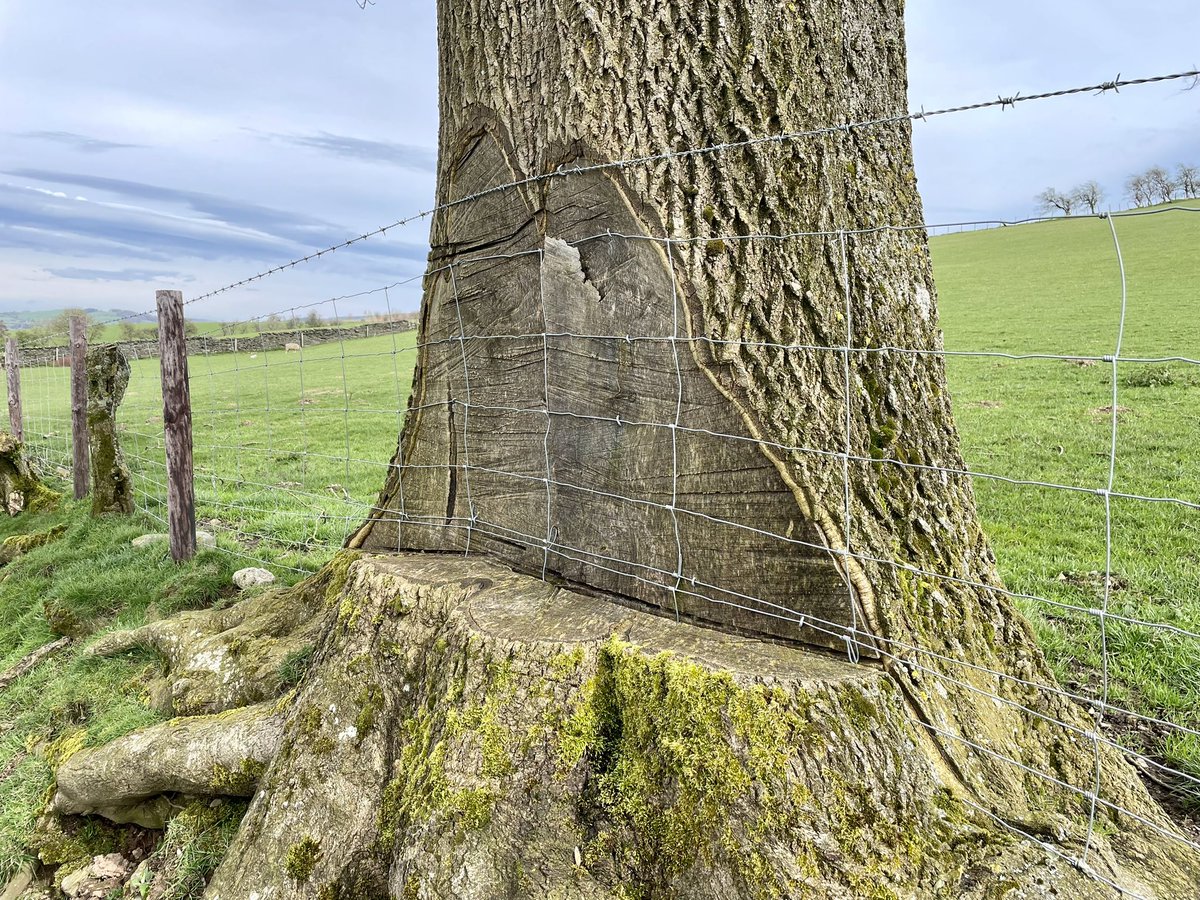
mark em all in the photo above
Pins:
pixel 179 224
pixel 84 274
pixel 79 141
pixel 406 156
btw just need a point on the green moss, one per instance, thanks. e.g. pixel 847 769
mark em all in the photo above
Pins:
pixel 20 544
pixel 72 843
pixel 419 790
pixel 714 248
pixel 673 748
pixel 310 722
pixel 370 700
pixel 40 499
pixel 240 782
pixel 564 665
pixel 301 858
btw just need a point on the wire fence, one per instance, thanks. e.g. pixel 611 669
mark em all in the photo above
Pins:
pixel 292 445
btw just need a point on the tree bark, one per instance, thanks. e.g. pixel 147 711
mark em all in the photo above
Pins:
pixel 107 377
pixel 527 448
pixel 750 458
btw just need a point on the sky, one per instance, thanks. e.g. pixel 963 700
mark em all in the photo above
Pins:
pixel 151 145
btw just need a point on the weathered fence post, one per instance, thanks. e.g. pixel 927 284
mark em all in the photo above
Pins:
pixel 177 423
pixel 79 435
pixel 12 364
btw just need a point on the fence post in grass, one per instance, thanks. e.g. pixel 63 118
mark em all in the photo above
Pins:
pixel 79 430
pixel 177 424
pixel 12 364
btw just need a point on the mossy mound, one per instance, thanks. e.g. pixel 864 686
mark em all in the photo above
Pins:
pixel 21 490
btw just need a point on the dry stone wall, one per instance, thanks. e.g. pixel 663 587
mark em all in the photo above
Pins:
pixel 268 340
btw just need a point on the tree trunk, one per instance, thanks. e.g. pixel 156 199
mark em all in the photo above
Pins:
pixel 107 377
pixel 823 511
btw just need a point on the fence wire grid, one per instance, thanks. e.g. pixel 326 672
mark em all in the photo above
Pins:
pixel 292 446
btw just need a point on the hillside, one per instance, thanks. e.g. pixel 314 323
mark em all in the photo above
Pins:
pixel 1055 288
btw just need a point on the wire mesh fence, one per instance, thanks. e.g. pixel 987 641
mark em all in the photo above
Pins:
pixel 293 440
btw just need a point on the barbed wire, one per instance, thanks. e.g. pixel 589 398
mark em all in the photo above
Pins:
pixel 1001 102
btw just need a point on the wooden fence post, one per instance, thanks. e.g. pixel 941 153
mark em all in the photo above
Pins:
pixel 79 431
pixel 12 363
pixel 177 422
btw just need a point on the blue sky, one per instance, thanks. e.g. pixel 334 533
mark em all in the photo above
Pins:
pixel 152 145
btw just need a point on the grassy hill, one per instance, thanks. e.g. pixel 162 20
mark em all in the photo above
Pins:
pixel 1055 288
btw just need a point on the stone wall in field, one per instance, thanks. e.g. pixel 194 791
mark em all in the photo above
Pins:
pixel 208 344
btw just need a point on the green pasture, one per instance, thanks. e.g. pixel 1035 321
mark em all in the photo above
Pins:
pixel 1055 288
pixel 290 448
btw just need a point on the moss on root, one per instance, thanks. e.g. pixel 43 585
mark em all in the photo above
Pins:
pixel 673 749
pixel 20 544
pixel 301 858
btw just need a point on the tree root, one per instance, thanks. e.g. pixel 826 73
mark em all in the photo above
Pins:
pixel 133 778
pixel 32 660
pixel 222 659
pixel 464 731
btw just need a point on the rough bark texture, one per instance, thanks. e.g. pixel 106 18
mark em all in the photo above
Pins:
pixel 107 378
pixel 81 468
pixel 177 425
pixel 467 732
pixel 529 86
pixel 12 370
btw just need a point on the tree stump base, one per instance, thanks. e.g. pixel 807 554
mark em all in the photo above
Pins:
pixel 467 732
pixel 20 487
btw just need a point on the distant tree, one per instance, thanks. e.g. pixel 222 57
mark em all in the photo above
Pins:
pixel 313 319
pixel 273 323
pixel 1138 190
pixel 129 331
pixel 1162 185
pixel 57 328
pixel 1089 194
pixel 1188 180
pixel 1051 199
pixel 191 329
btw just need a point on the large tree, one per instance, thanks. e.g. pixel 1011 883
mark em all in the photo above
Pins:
pixel 671 384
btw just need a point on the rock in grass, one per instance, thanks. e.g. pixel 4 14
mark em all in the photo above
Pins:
pixel 252 577
pixel 204 540
pixel 20 544
pixel 101 878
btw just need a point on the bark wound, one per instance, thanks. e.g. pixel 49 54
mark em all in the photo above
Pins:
pixel 478 462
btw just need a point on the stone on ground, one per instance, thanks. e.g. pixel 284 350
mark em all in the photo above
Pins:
pixel 252 577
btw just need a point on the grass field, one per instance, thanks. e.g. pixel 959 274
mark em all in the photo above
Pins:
pixel 1055 288
pixel 291 449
